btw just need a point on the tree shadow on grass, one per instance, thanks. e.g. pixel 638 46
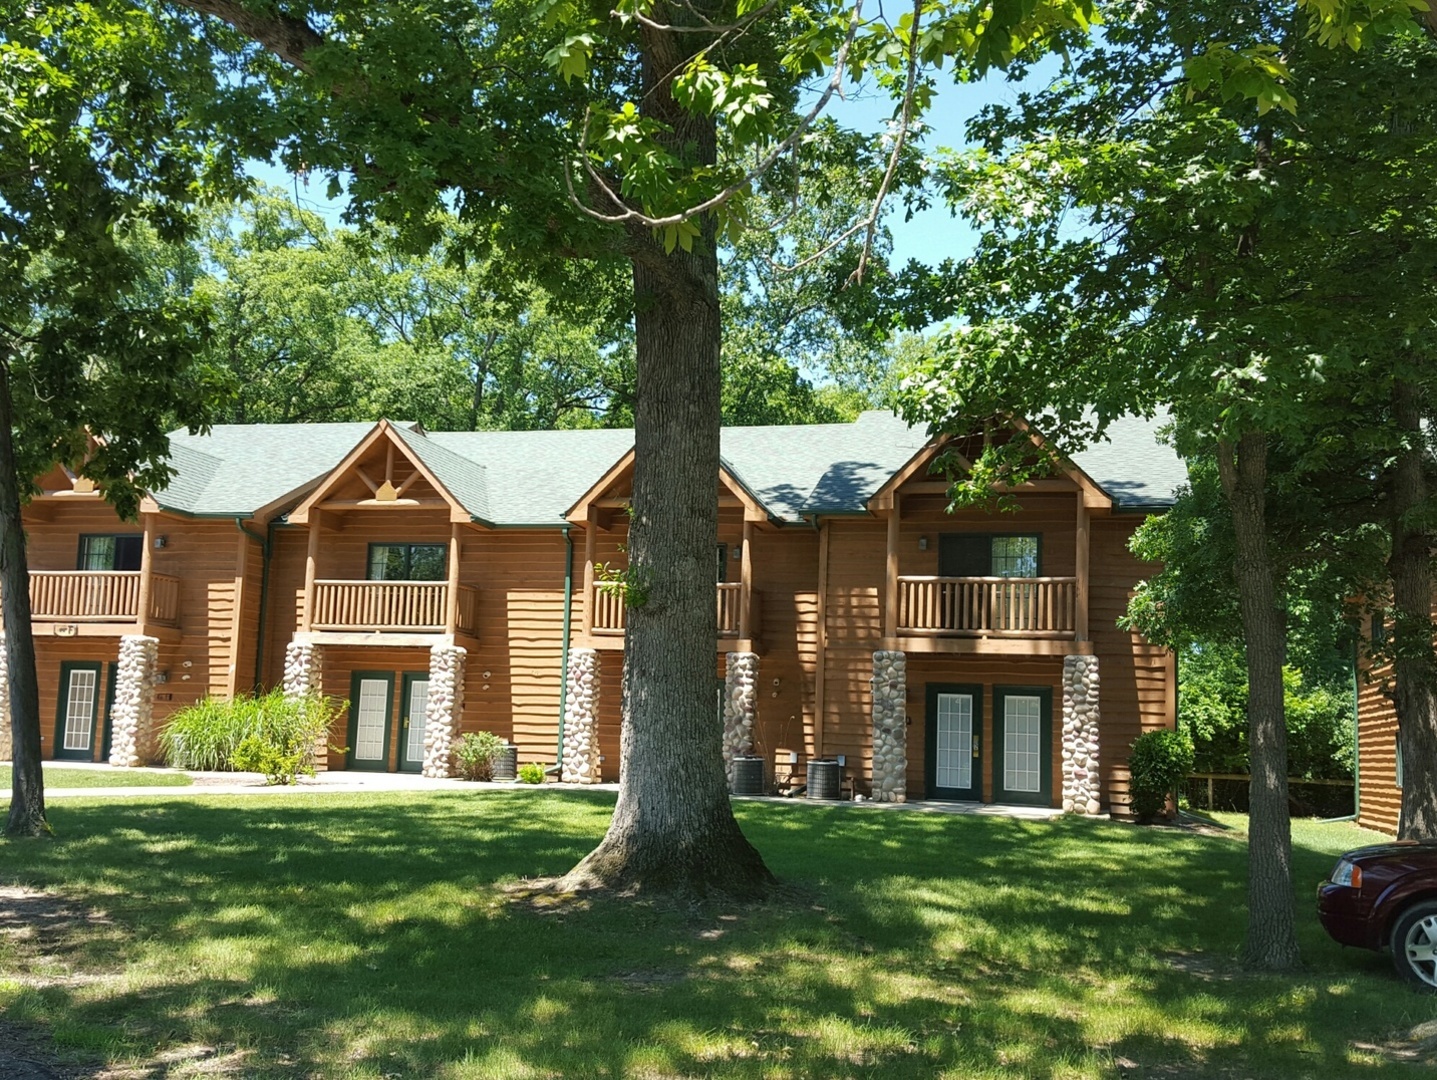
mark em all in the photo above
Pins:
pixel 372 936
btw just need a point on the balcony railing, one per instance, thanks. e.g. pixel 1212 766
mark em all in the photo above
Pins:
pixel 393 606
pixel 609 614
pixel 101 596
pixel 987 606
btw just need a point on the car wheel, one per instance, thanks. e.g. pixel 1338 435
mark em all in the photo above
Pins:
pixel 1414 944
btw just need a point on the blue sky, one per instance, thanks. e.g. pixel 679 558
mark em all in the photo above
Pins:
pixel 930 236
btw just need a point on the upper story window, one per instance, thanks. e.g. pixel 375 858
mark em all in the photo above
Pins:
pixel 110 551
pixel 408 562
pixel 988 555
pixel 722 564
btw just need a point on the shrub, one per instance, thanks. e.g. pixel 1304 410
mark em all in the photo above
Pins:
pixel 1158 764
pixel 273 734
pixel 474 755
pixel 530 773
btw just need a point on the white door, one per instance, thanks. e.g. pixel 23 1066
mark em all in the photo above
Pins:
pixel 954 743
pixel 80 709
pixel 1022 743
pixel 417 711
pixel 371 720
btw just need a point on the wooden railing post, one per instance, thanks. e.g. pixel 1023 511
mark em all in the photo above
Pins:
pixel 745 612
pixel 451 597
pixel 890 592
pixel 147 569
pixel 591 526
pixel 311 564
pixel 1080 597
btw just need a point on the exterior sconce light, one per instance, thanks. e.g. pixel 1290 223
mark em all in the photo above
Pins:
pixel 161 541
pixel 736 553
pixel 923 543
pixel 162 676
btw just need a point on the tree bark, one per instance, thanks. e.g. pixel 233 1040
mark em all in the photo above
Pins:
pixel 673 829
pixel 1413 660
pixel 1271 939
pixel 27 784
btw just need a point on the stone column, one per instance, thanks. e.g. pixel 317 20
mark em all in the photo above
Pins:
pixel 581 719
pixel 132 734
pixel 6 751
pixel 890 727
pixel 303 672
pixel 740 705
pixel 1081 789
pixel 444 707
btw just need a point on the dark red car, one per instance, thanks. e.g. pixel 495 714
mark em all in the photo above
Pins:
pixel 1385 896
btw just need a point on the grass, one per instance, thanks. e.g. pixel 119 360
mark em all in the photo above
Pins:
pixel 371 936
pixel 57 776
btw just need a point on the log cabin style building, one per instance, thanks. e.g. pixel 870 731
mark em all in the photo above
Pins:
pixel 445 582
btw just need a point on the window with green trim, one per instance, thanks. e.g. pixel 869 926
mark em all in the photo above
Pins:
pixel 110 551
pixel 408 562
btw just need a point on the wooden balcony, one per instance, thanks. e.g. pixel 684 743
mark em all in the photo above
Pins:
pixel 988 607
pixel 609 615
pixel 102 596
pixel 418 607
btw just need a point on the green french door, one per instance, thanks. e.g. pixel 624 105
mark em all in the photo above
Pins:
pixel 953 764
pixel 77 710
pixel 1023 744
pixel 371 705
pixel 413 704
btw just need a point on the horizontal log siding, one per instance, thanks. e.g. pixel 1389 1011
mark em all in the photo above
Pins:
pixel 987 672
pixel 1138 679
pixel 286 599
pixel 1051 516
pixel 1380 797
pixel 247 617
pixel 520 578
pixel 344 551
pixel 785 572
pixel 50 653
pixel 53 530
pixel 336 671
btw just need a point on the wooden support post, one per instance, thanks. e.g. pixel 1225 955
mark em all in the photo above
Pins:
pixel 1080 598
pixel 591 526
pixel 745 616
pixel 237 617
pixel 451 594
pixel 819 676
pixel 311 565
pixel 147 571
pixel 890 588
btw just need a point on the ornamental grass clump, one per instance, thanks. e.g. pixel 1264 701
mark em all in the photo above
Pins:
pixel 475 754
pixel 274 734
pixel 1158 764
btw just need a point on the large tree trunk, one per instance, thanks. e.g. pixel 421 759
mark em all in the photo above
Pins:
pixel 673 829
pixel 1271 940
pixel 1414 664
pixel 27 786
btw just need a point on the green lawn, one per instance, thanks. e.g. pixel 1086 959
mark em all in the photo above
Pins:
pixel 57 776
pixel 370 936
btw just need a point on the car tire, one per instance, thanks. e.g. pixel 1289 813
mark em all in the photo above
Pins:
pixel 1414 945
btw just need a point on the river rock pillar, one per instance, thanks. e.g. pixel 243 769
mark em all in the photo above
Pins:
pixel 740 706
pixel 580 764
pixel 132 734
pixel 890 726
pixel 1081 776
pixel 444 708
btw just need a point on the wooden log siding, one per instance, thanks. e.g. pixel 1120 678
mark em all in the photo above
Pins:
pixel 610 610
pixel 101 596
pixel 390 605
pixel 987 606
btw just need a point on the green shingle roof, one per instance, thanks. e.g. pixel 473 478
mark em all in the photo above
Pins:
pixel 510 478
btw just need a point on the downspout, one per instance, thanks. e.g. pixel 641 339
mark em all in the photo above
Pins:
pixel 266 546
pixel 568 623
pixel 1356 748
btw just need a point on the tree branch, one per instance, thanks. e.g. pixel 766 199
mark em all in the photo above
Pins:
pixel 287 37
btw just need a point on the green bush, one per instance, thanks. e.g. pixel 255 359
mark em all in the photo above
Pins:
pixel 1158 764
pixel 530 773
pixel 475 753
pixel 273 734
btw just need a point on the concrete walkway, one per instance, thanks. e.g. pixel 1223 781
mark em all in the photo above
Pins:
pixel 229 783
